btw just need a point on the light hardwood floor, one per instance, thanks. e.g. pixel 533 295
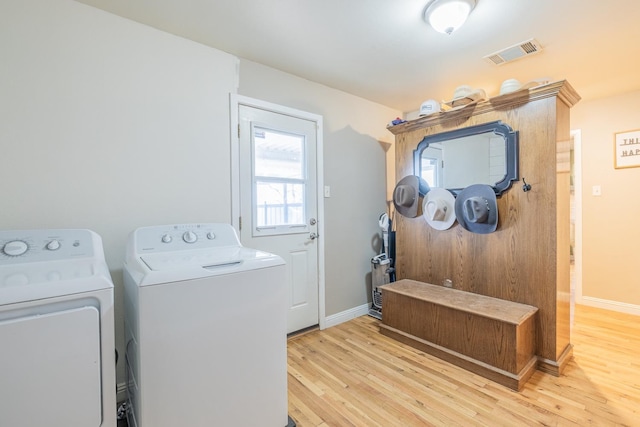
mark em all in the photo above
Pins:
pixel 351 375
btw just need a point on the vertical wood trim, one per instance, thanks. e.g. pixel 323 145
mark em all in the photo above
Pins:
pixel 563 225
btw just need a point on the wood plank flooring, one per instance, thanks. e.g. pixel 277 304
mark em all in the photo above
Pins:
pixel 351 375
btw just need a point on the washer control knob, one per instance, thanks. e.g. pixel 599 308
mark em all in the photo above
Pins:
pixel 15 248
pixel 190 237
pixel 53 245
pixel 211 235
pixel 167 238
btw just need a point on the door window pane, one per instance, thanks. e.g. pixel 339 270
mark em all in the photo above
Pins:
pixel 279 178
pixel 278 155
pixel 279 203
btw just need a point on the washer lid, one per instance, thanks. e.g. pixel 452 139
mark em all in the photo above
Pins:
pixel 165 267
pixel 173 253
pixel 205 258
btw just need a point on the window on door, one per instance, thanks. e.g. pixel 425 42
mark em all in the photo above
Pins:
pixel 279 181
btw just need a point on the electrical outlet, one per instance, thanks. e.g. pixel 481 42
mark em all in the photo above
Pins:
pixel 596 190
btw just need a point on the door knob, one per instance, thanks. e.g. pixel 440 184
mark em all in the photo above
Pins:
pixel 313 236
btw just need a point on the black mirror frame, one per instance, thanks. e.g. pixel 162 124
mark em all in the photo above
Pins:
pixel 499 128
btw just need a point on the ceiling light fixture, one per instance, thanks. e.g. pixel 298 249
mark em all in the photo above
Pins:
pixel 446 16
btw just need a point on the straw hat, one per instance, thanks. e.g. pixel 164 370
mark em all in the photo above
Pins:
pixel 464 95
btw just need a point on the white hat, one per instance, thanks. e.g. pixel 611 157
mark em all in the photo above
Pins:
pixel 513 85
pixel 464 95
pixel 439 208
pixel 429 106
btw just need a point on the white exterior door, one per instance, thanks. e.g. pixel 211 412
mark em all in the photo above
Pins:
pixel 278 188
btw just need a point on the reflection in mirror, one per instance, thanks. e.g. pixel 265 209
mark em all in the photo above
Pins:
pixel 484 154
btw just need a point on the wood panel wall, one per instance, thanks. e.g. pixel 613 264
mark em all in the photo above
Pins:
pixel 527 259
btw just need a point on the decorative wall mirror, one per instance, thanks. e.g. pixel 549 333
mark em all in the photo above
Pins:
pixel 482 154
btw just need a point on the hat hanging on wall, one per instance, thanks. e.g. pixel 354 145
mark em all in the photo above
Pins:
pixel 408 194
pixel 439 208
pixel 477 209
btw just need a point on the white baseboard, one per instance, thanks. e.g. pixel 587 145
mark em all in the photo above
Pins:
pixel 345 316
pixel 621 307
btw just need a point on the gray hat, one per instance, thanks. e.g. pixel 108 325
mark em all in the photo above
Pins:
pixel 407 194
pixel 438 209
pixel 477 209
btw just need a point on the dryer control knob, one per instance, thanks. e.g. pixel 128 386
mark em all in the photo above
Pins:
pixel 53 245
pixel 15 248
pixel 167 238
pixel 211 235
pixel 190 237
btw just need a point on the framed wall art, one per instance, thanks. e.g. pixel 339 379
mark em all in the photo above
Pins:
pixel 627 149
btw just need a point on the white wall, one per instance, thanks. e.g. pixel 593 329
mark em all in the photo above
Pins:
pixel 109 125
pixel 356 144
pixel 610 235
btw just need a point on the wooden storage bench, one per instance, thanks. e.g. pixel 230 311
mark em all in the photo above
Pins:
pixel 491 337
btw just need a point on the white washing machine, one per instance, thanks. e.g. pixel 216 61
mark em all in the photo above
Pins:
pixel 206 322
pixel 57 354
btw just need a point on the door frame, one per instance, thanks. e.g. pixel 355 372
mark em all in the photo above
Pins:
pixel 576 136
pixel 235 102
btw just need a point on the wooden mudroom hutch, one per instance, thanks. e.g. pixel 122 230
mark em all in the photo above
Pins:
pixel 527 259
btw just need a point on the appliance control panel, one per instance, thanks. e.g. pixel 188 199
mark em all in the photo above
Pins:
pixel 21 275
pixel 22 246
pixel 176 237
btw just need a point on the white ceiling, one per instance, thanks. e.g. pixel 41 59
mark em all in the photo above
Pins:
pixel 382 50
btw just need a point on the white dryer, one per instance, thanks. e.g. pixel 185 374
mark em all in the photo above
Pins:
pixel 57 360
pixel 205 324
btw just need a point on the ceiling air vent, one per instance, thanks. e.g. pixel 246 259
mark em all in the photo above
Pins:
pixel 514 52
